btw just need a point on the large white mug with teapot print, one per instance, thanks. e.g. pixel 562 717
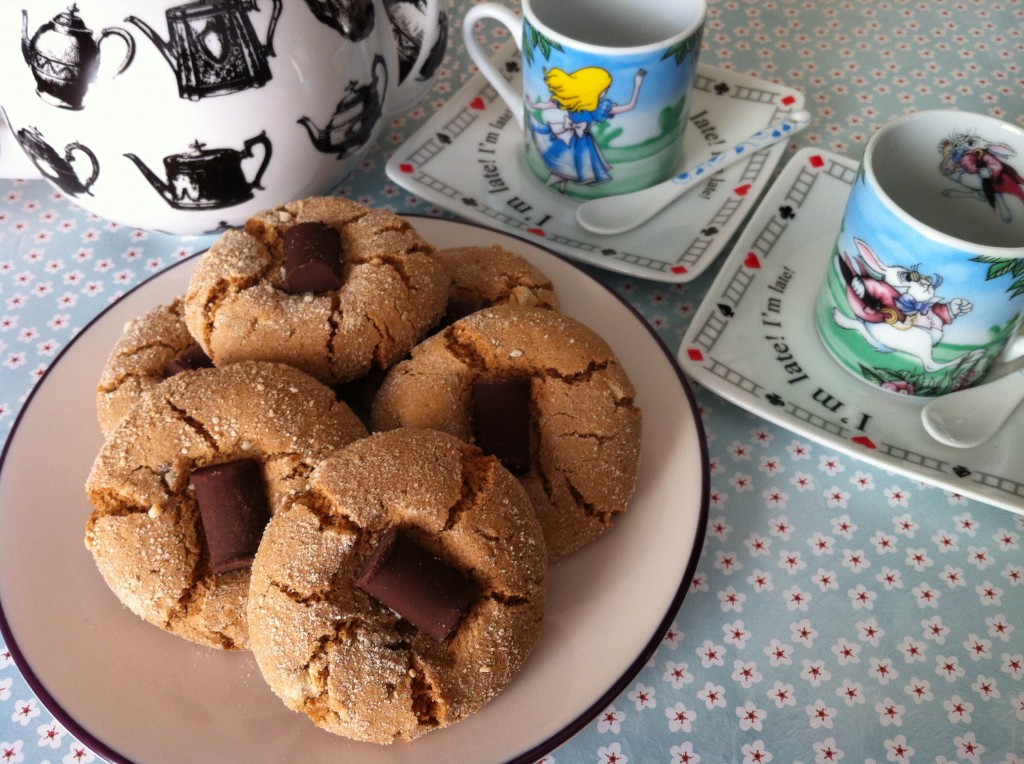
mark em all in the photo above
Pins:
pixel 190 116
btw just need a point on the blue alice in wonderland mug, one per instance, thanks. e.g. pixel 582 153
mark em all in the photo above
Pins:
pixel 606 88
pixel 925 290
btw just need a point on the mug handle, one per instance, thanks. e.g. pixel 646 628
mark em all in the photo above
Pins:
pixel 480 57
pixel 14 163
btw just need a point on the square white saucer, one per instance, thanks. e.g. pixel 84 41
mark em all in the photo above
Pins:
pixel 467 159
pixel 753 341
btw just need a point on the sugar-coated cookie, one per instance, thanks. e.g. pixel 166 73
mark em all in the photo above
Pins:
pixel 357 667
pixel 150 349
pixel 325 284
pixel 149 536
pixel 485 276
pixel 574 425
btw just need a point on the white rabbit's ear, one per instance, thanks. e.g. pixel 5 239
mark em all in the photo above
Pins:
pixel 869 257
pixel 1001 150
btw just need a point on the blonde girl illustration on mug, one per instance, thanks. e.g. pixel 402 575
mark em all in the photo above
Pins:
pixel 564 139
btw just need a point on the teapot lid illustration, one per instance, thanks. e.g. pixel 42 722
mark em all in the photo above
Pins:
pixel 69 21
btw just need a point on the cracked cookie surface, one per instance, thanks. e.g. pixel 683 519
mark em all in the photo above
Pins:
pixel 353 666
pixel 145 532
pixel 495 276
pixel 392 293
pixel 585 439
pixel 137 362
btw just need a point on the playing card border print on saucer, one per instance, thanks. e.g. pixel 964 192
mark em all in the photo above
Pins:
pixel 467 159
pixel 754 342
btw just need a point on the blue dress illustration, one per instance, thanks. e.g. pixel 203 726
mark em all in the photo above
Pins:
pixel 563 137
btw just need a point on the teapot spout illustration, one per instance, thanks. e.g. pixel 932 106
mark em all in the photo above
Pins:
pixel 64 57
pixel 351 125
pixel 203 179
pixel 213 48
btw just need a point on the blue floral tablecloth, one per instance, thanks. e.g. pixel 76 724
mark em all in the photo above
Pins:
pixel 838 612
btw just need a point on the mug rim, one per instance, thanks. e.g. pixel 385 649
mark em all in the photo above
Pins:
pixel 954 242
pixel 530 17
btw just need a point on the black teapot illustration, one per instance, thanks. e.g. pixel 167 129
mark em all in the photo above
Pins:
pixel 408 20
pixel 213 48
pixel 64 56
pixel 204 179
pixel 352 19
pixel 58 169
pixel 352 123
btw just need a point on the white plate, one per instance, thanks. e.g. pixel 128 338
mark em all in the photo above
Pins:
pixel 467 159
pixel 754 342
pixel 131 691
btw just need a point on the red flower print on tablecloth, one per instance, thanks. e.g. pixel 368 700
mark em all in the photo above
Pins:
pixel 713 695
pixel 610 720
pixel 677 674
pixel 680 718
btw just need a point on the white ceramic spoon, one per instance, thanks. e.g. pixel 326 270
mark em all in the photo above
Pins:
pixel 968 418
pixel 624 212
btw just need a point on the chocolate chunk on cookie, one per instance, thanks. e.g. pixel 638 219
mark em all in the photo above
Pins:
pixel 245 303
pixel 169 561
pixel 385 671
pixel 585 426
pixel 416 584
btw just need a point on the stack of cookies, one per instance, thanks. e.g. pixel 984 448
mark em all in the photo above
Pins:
pixel 357 457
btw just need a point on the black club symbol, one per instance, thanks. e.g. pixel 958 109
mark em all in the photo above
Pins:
pixel 775 399
pixel 721 88
pixel 787 212
pixel 709 231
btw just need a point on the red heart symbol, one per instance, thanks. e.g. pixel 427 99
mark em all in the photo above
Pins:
pixel 817 161
pixel 788 100
pixel 406 168
pixel 742 190
pixel 695 354
pixel 536 231
pixel 752 261
pixel 864 440
pixel 478 103
pixel 679 269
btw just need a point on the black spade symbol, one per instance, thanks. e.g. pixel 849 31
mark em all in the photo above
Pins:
pixel 726 310
pixel 961 471
pixel 609 252
pixel 469 201
pixel 442 138
pixel 709 231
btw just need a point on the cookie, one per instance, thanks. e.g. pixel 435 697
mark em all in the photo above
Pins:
pixel 353 661
pixel 152 347
pixel 552 377
pixel 485 276
pixel 152 538
pixel 324 284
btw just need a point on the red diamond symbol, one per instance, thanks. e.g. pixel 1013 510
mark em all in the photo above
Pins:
pixel 789 100
pixel 679 269
pixel 864 440
pixel 817 161
pixel 406 168
pixel 536 231
pixel 695 354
